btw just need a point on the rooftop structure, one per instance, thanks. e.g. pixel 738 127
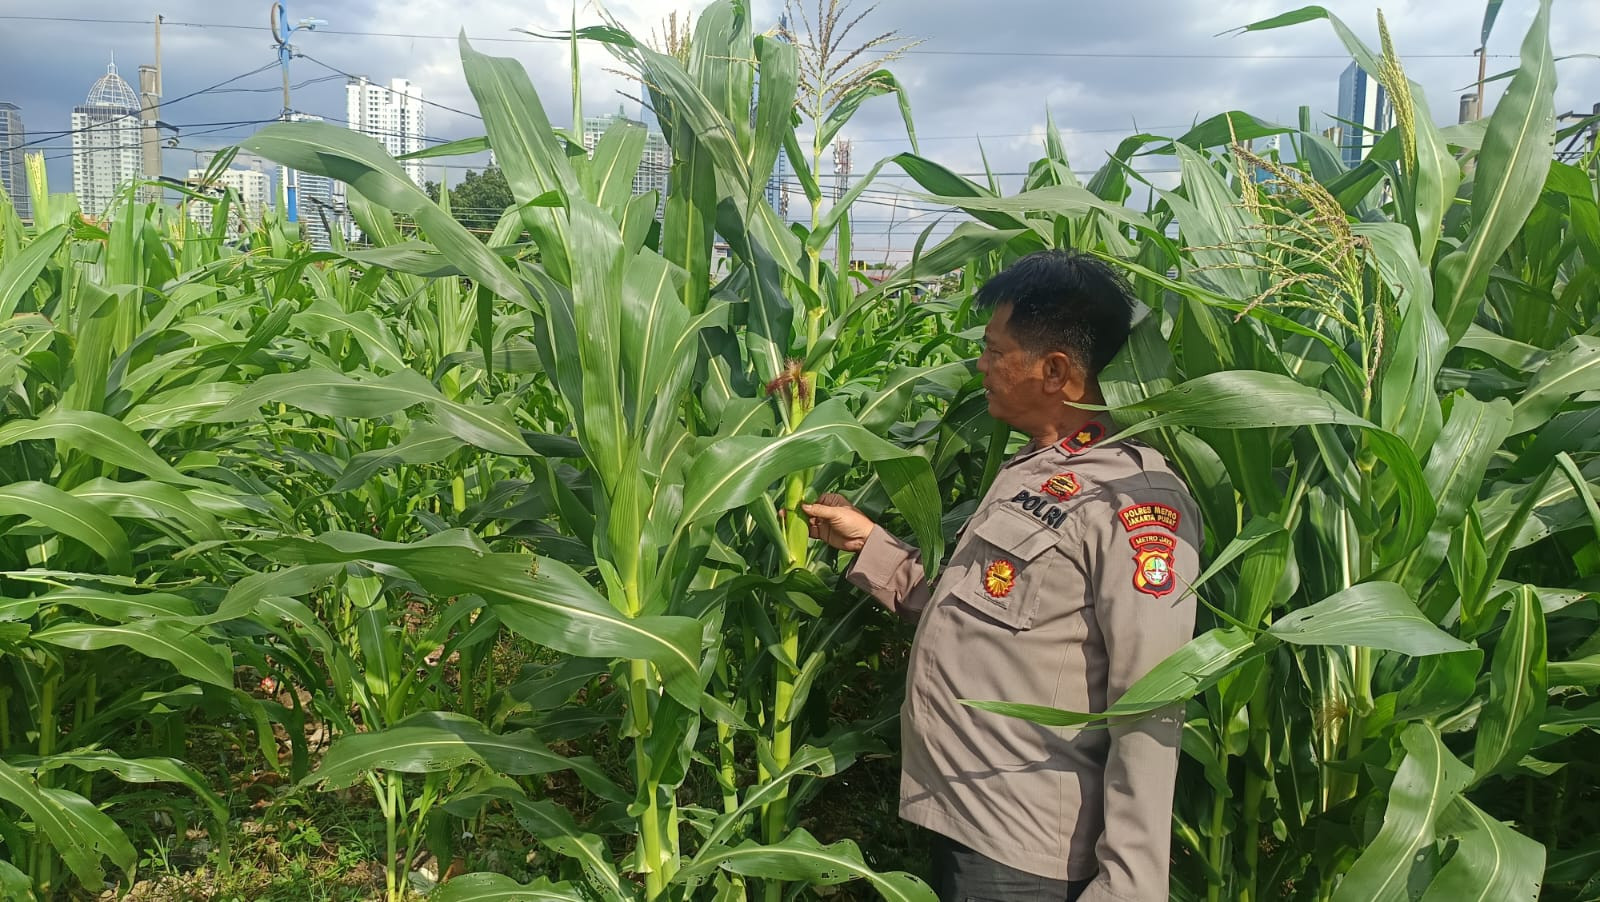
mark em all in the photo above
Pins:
pixel 106 143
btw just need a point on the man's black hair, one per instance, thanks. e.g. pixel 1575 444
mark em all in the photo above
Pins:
pixel 1064 300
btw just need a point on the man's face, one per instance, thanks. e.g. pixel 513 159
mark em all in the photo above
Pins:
pixel 1013 378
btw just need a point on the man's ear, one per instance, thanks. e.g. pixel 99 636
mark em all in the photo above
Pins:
pixel 1063 375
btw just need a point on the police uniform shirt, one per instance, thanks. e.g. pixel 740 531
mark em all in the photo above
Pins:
pixel 1065 587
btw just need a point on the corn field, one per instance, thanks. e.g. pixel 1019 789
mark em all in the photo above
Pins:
pixel 485 531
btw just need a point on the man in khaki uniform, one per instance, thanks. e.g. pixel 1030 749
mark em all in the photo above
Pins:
pixel 1065 587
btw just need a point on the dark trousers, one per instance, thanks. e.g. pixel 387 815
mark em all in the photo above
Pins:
pixel 962 875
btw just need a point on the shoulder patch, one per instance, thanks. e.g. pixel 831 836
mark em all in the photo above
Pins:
pixel 1139 516
pixel 1061 486
pixel 1084 439
pixel 1000 578
pixel 1152 563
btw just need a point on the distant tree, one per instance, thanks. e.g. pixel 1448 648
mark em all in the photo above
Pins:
pixel 479 199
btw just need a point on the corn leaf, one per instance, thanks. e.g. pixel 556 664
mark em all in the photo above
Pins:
pixel 736 470
pixel 176 643
pixel 799 856
pixel 1371 615
pixel 334 394
pixel 78 831
pixel 1187 672
pixel 1518 688
pixel 1573 368
pixel 360 162
pixel 1426 783
pixel 1511 172
pixel 486 887
pixel 433 742
pixel 543 600
pixel 17 274
pixel 69 516
pixel 1491 862
pixel 97 435
pixel 134 770
pixel 1242 399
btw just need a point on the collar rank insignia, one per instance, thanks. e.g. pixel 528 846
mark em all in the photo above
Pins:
pixel 1152 563
pixel 1061 486
pixel 1139 516
pixel 1084 439
pixel 1000 578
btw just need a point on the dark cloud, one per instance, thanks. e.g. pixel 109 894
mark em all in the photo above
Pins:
pixel 989 71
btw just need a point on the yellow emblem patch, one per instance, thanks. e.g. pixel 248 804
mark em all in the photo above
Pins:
pixel 1061 486
pixel 1000 578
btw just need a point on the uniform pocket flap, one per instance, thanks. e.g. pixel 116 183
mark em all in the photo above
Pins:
pixel 1003 583
pixel 1017 534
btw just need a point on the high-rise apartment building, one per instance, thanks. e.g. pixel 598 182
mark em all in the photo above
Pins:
pixel 253 188
pixel 315 201
pixel 13 175
pixel 657 161
pixel 390 114
pixel 106 147
pixel 1365 108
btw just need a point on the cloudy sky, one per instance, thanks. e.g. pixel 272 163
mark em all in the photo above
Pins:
pixel 986 72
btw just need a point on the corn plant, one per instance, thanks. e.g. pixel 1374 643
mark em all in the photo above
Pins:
pixel 1370 378
pixel 110 544
pixel 622 327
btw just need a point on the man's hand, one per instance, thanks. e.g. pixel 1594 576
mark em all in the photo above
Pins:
pixel 834 520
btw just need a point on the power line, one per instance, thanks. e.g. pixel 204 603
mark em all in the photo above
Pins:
pixel 156 105
pixel 369 131
pixel 1055 54
pixel 230 125
pixel 276 88
pixel 225 127
pixel 387 88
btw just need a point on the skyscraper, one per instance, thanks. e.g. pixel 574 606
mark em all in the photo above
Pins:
pixel 392 115
pixel 1366 111
pixel 316 201
pixel 106 145
pixel 13 177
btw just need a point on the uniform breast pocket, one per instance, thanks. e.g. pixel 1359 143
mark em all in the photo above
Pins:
pixel 1009 568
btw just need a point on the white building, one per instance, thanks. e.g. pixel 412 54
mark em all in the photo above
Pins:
pixel 315 201
pixel 251 186
pixel 13 175
pixel 1366 111
pixel 392 115
pixel 106 143
pixel 657 162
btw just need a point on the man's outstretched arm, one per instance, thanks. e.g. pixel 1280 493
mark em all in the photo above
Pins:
pixel 885 567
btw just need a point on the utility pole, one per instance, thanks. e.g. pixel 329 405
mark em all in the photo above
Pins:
pixel 281 32
pixel 1483 60
pixel 1490 12
pixel 149 118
